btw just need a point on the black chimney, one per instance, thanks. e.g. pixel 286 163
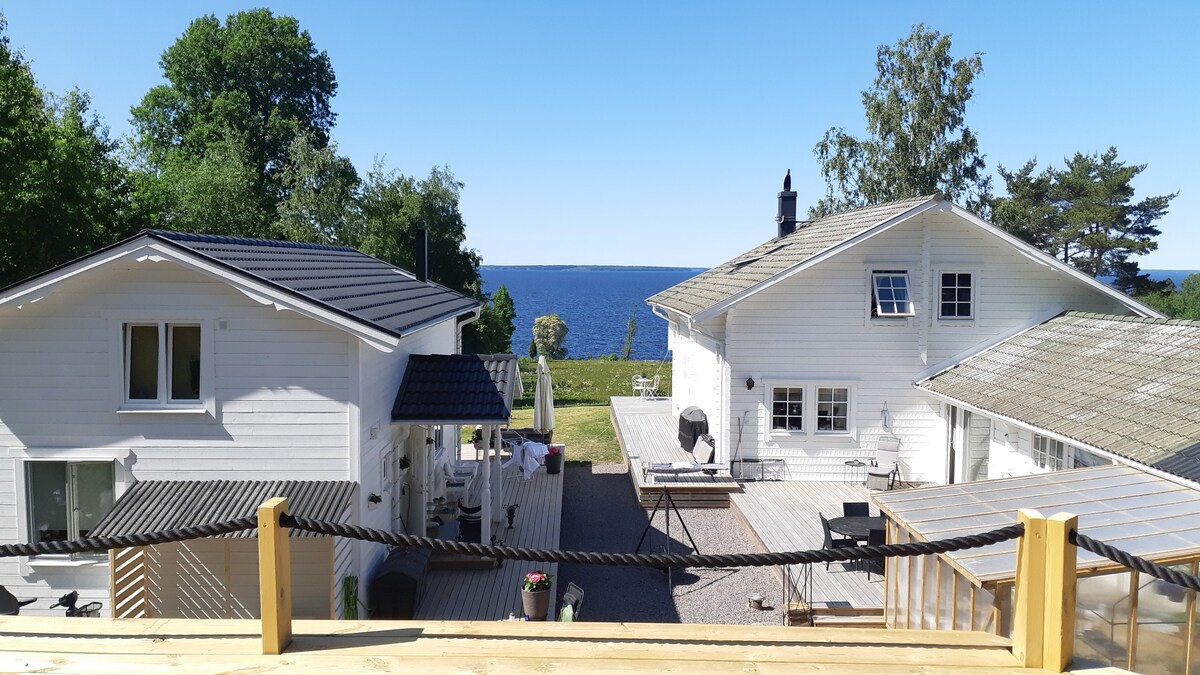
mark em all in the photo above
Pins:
pixel 421 253
pixel 787 207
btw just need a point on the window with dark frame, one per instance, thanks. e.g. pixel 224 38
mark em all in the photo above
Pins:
pixel 833 409
pixel 956 300
pixel 890 296
pixel 787 409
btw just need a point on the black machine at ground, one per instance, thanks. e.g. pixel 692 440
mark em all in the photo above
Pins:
pixel 9 604
pixel 395 588
pixel 693 423
pixel 70 599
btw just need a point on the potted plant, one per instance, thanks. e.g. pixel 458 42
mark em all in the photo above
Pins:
pixel 535 595
pixel 554 459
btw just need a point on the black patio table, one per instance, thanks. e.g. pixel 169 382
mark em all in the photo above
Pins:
pixel 857 527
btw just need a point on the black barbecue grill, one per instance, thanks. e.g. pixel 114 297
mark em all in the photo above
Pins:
pixel 692 424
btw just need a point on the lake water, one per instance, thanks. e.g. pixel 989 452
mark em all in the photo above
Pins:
pixel 595 303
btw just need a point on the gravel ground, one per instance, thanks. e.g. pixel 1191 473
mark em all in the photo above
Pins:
pixel 601 513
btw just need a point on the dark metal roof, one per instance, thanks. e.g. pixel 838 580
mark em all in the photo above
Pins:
pixel 457 389
pixel 152 505
pixel 349 282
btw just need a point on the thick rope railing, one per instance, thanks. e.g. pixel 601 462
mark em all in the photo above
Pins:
pixel 660 561
pixel 96 544
pixel 1134 562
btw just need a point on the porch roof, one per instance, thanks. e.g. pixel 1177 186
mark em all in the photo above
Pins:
pixel 1135 511
pixel 1127 385
pixel 153 505
pixel 457 389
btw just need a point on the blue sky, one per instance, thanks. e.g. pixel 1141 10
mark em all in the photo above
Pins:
pixel 658 133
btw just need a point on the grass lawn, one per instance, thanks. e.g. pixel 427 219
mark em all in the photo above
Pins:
pixel 582 388
pixel 585 430
pixel 591 381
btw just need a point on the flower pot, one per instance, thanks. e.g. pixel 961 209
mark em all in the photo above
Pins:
pixel 554 463
pixel 536 604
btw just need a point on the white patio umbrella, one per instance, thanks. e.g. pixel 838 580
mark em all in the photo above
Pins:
pixel 543 398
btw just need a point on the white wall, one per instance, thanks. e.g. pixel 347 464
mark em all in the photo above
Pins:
pixel 696 375
pixel 815 328
pixel 281 391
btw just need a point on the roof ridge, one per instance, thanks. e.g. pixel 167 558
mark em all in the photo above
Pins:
pixel 230 239
pixel 1132 319
pixel 919 198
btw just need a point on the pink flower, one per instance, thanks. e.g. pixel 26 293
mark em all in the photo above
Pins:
pixel 535 577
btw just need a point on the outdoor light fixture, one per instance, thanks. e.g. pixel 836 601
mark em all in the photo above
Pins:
pixel 749 383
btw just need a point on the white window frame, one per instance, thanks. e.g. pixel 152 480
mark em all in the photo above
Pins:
pixel 810 389
pixel 874 306
pixel 206 404
pixel 817 387
pixel 1043 452
pixel 122 459
pixel 804 397
pixel 938 293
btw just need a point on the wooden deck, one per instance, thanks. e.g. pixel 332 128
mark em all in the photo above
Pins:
pixel 782 516
pixel 131 646
pixel 489 594
pixel 648 433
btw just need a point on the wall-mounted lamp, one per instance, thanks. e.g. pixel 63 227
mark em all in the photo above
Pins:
pixel 749 383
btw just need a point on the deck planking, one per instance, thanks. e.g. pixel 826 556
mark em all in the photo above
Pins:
pixel 490 594
pixel 782 516
pixel 647 433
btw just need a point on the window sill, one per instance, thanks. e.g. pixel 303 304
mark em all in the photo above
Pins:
pixel 55 561
pixel 163 411
pixel 955 323
pixel 890 321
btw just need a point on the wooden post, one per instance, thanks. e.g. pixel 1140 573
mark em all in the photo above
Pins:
pixel 1029 614
pixel 1059 646
pixel 274 577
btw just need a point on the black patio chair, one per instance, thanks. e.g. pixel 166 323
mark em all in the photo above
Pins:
pixel 875 537
pixel 858 509
pixel 573 598
pixel 830 541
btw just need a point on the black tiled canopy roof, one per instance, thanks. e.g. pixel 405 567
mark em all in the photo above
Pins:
pixel 457 389
pixel 349 282
pixel 152 505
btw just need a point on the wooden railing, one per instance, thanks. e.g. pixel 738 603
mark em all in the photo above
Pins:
pixel 1043 621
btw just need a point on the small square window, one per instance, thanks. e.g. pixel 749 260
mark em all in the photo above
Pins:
pixel 162 363
pixel 956 300
pixel 833 409
pixel 890 295
pixel 1048 453
pixel 787 409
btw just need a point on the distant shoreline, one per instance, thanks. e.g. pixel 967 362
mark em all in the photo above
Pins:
pixel 593 268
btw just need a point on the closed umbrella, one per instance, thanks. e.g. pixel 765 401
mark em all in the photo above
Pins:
pixel 543 398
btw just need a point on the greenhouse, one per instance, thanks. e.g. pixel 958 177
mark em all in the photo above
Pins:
pixel 1123 618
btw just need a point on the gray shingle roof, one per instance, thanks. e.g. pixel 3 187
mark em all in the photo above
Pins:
pixel 457 389
pixel 778 255
pixel 152 505
pixel 1127 385
pixel 351 283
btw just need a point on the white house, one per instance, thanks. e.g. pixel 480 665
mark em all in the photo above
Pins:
pixel 807 348
pixel 171 356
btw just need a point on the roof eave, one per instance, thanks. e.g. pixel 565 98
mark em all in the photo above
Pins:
pixel 1040 256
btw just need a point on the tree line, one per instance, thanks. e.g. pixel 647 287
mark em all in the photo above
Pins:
pixel 918 143
pixel 237 141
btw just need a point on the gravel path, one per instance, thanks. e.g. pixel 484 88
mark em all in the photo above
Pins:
pixel 601 513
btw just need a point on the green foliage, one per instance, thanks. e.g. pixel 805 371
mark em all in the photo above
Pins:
pixel 548 334
pixel 532 348
pixel 1085 215
pixel 393 206
pixel 1183 303
pixel 257 82
pixel 918 141
pixel 493 333
pixel 63 193
pixel 630 331
pixel 321 191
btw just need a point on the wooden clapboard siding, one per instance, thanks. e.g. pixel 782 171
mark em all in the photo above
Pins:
pixel 782 516
pixel 488 594
pixel 647 432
